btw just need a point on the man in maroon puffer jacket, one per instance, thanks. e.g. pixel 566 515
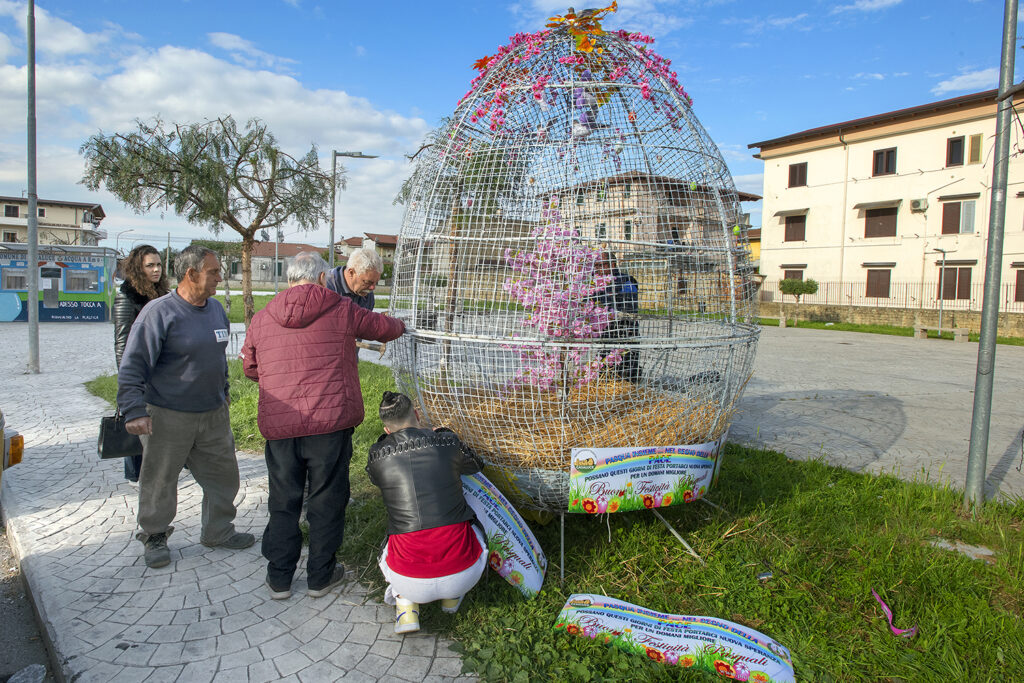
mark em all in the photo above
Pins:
pixel 301 349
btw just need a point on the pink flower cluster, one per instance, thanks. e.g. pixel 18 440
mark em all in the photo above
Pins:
pixel 556 282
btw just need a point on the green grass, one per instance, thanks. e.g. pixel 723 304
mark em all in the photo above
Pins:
pixel 237 314
pixel 827 535
pixel 879 329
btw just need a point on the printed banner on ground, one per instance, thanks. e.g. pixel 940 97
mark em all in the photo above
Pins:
pixel 512 549
pixel 620 479
pixel 714 645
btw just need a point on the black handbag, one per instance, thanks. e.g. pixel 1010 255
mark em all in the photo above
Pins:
pixel 115 441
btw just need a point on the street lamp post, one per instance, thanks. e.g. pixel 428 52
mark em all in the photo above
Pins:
pixel 942 281
pixel 334 189
pixel 117 239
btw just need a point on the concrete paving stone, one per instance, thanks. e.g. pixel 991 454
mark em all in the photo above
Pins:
pixel 264 631
pixel 130 585
pixel 319 672
pixel 169 602
pixel 356 676
pixel 373 665
pixel 292 662
pixel 336 631
pixel 99 672
pixel 131 674
pixel 143 598
pixel 240 622
pixel 203 630
pixel 128 615
pixel 236 675
pixel 420 644
pixel 364 634
pixel 366 614
pixel 263 672
pixel 101 633
pixel 231 642
pixel 407 668
pixel 113 602
pixel 212 611
pixel 241 659
pixel 271 608
pixel 157 617
pixel 165 674
pixel 348 655
pixel 136 654
pixel 94 616
pixel 446 666
pixel 200 672
pixel 214 581
pixel 199 649
pixel 167 634
pixel 279 645
pixel 337 611
pixel 138 633
pixel 388 649
pixel 310 630
pixel 186 615
pixel 197 598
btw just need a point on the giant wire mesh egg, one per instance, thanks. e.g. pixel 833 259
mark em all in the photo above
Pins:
pixel 570 265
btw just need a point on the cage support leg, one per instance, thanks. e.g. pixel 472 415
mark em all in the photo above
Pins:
pixel 561 552
pixel 678 537
pixel 716 506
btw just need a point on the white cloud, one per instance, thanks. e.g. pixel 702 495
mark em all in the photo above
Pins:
pixel 761 24
pixel 360 51
pixel 867 5
pixel 870 76
pixel 245 52
pixel 54 36
pixel 80 93
pixel 983 79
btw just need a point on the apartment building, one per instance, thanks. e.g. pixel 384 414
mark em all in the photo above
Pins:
pixel 66 223
pixel 895 202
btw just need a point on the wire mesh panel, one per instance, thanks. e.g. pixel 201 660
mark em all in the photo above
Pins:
pixel 570 267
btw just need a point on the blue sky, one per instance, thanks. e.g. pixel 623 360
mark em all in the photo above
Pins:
pixel 376 76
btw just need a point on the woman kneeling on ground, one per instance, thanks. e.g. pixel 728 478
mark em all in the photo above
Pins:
pixel 434 550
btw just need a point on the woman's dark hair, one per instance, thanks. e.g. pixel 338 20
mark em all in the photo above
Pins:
pixel 133 271
pixel 395 409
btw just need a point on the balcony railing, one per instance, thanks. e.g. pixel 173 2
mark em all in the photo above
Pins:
pixel 924 295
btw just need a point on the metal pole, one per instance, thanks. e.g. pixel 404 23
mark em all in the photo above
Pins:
pixel 32 265
pixel 334 192
pixel 974 491
pixel 277 242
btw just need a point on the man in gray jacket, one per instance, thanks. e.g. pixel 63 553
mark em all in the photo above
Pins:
pixel 173 393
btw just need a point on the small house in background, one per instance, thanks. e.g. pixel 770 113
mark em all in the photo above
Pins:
pixel 268 259
pixel 382 244
pixel 60 222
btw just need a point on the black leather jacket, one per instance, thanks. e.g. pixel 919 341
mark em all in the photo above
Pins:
pixel 418 472
pixel 127 305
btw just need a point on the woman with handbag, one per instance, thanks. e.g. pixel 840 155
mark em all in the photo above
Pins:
pixel 144 281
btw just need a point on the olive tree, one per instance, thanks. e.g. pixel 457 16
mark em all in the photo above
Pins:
pixel 213 173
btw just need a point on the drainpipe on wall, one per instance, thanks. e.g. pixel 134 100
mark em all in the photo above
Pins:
pixel 842 230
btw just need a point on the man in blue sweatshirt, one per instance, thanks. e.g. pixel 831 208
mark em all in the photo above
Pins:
pixel 173 393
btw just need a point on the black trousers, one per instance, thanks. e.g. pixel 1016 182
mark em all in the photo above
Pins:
pixel 324 460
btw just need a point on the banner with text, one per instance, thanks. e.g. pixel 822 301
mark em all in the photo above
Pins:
pixel 512 549
pixel 621 479
pixel 714 645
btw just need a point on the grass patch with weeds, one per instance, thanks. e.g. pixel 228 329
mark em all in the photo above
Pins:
pixel 828 536
pixel 891 330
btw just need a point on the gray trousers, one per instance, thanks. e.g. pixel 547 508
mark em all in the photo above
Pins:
pixel 204 442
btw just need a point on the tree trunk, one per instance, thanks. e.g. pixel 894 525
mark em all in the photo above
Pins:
pixel 247 246
pixel 227 286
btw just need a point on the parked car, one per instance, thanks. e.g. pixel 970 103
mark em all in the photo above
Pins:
pixel 14 444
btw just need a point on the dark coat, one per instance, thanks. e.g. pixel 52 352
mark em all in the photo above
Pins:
pixel 301 349
pixel 127 305
pixel 419 475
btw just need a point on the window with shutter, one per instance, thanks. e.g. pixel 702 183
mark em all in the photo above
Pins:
pixel 627 230
pixel 792 275
pixel 963 283
pixel 974 150
pixel 796 228
pixel 884 162
pixel 950 218
pixel 878 284
pixel 798 175
pixel 1019 291
pixel 955 283
pixel 880 222
pixel 10 211
pixel 967 216
pixel 955 151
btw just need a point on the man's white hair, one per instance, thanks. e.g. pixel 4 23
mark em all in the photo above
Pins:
pixel 307 266
pixel 364 260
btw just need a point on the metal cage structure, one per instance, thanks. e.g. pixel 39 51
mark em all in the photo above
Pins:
pixel 571 266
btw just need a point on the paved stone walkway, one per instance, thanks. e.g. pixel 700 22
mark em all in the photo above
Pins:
pixel 207 616
pixel 866 402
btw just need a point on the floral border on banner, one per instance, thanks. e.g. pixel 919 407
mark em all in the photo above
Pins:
pixel 512 549
pixel 713 645
pixel 623 479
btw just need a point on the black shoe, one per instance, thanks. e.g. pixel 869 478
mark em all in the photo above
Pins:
pixel 156 552
pixel 336 578
pixel 279 592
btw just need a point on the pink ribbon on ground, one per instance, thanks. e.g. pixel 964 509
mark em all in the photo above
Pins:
pixel 901 632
